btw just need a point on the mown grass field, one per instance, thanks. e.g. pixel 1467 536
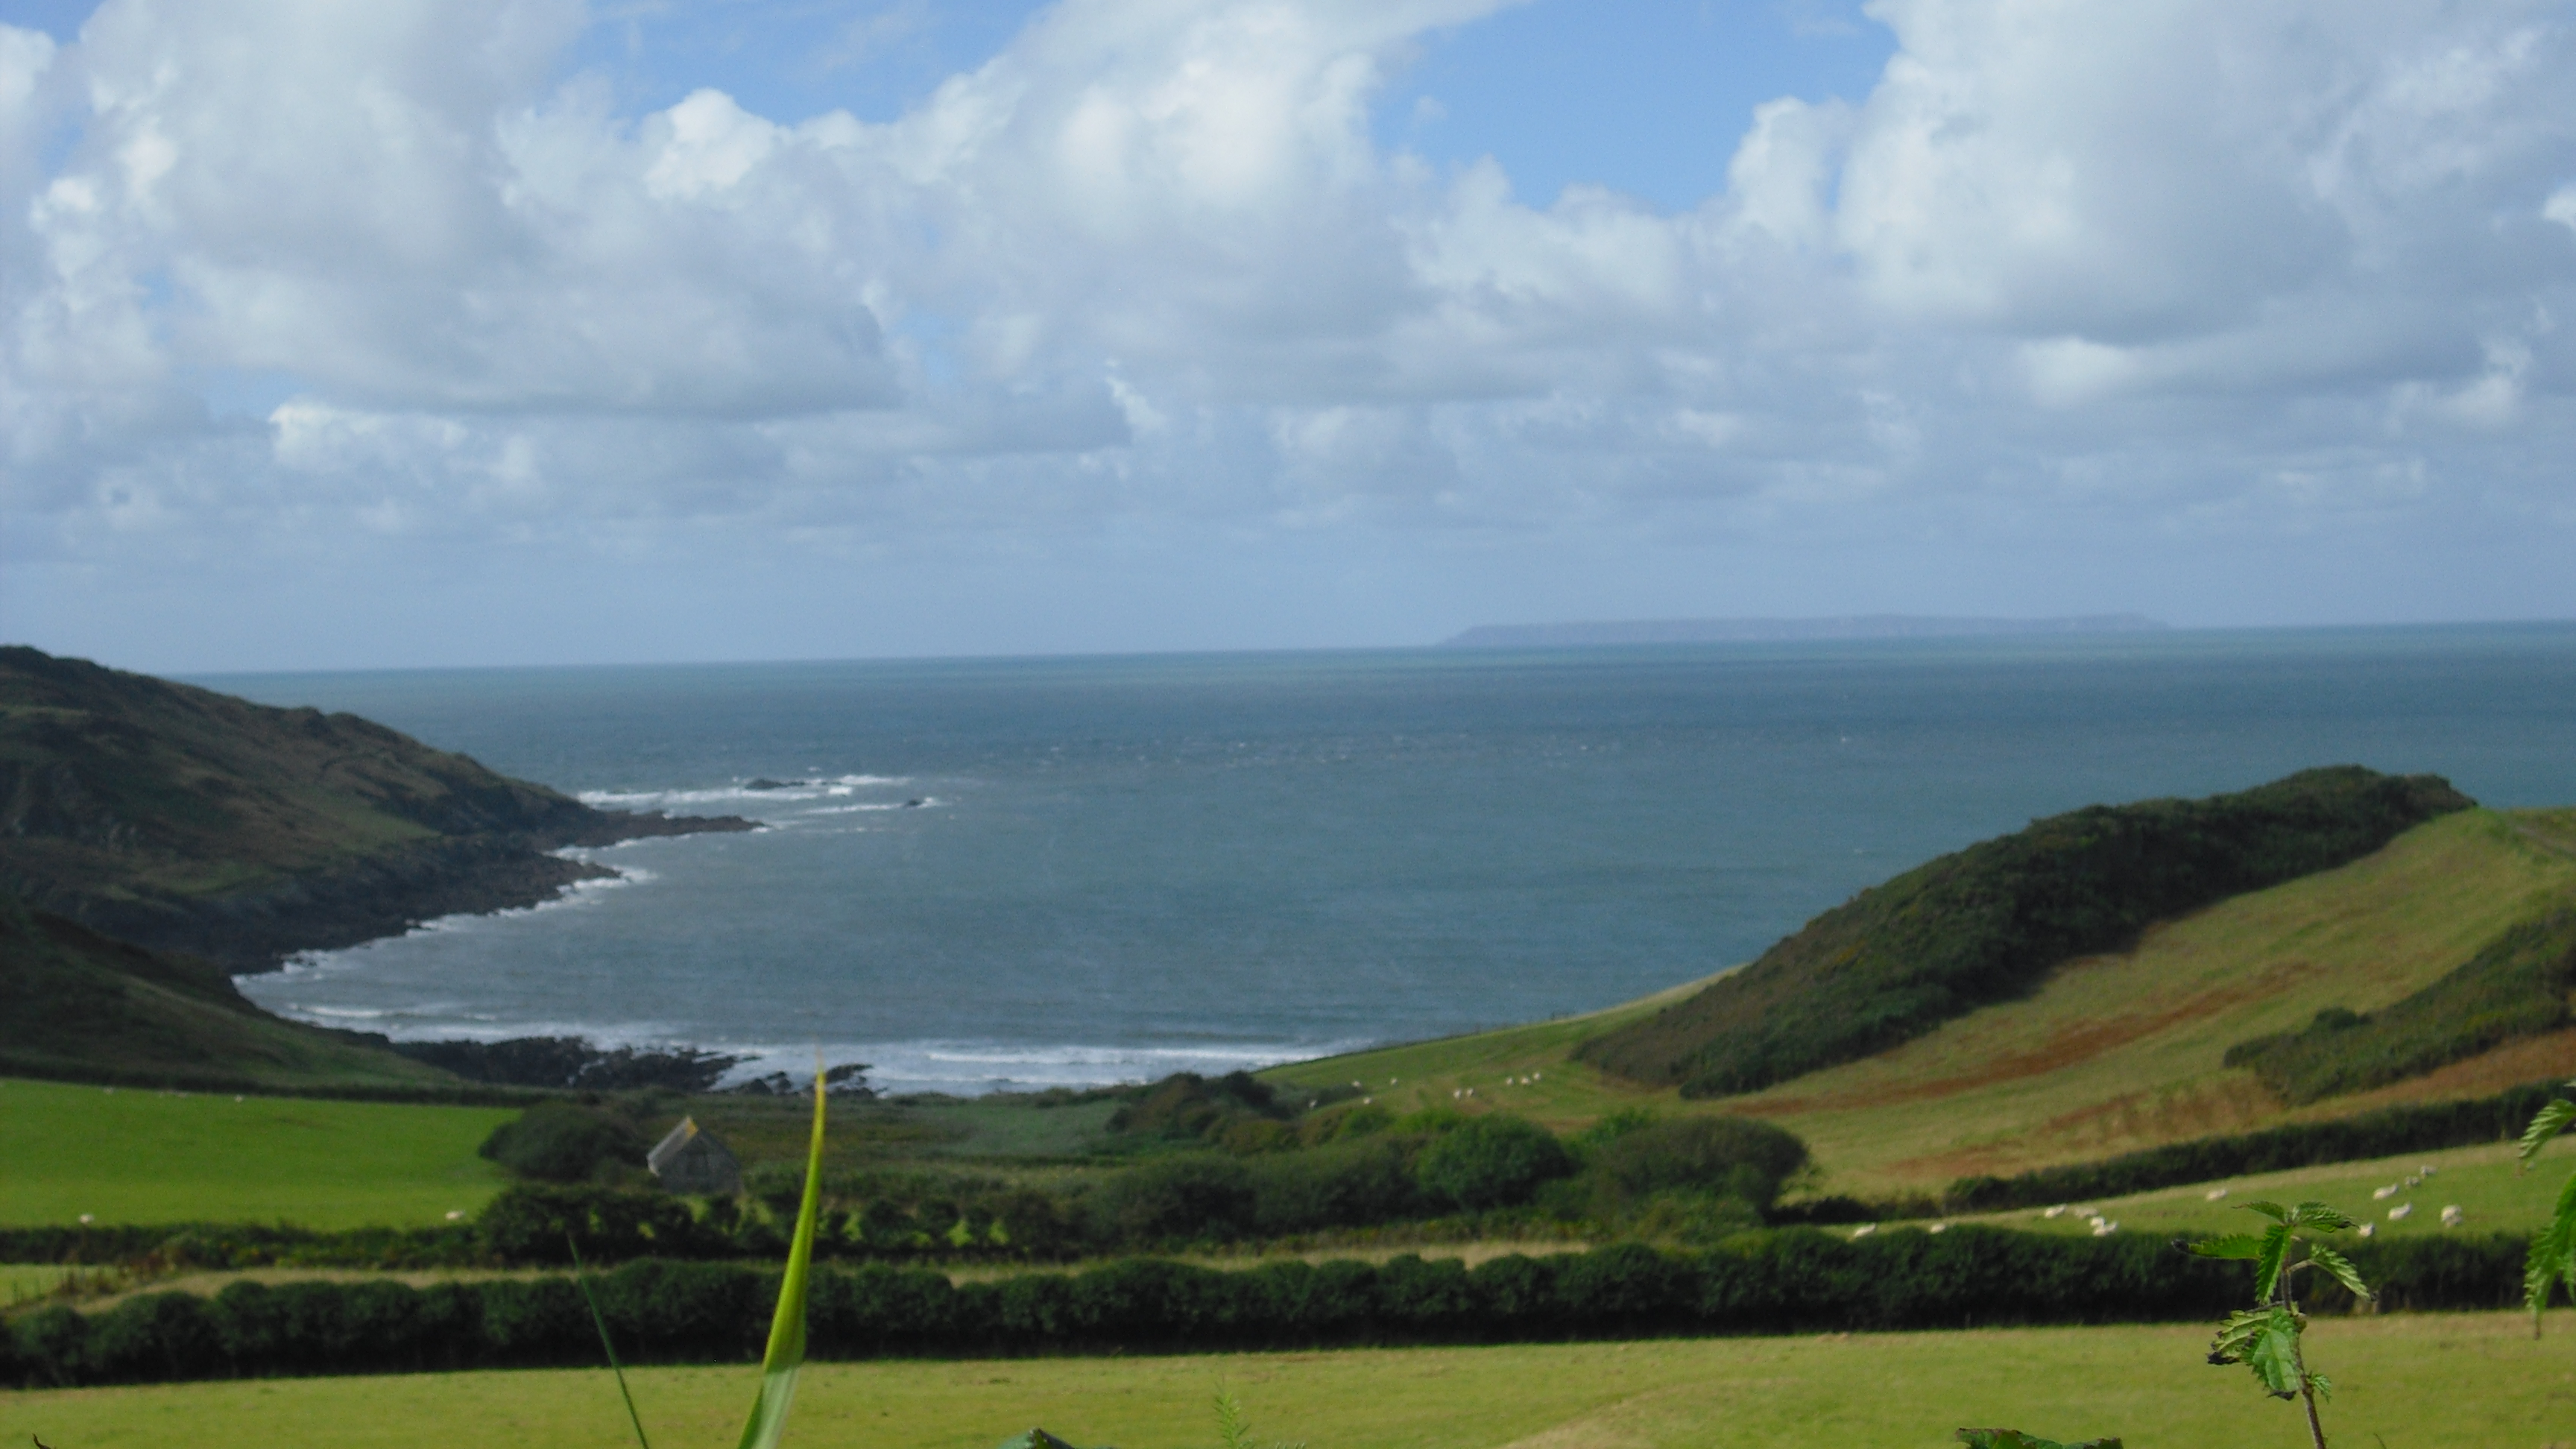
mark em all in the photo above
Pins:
pixel 2114 1052
pixel 2413 1381
pixel 129 1155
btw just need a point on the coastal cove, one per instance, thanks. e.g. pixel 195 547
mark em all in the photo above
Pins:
pixel 990 873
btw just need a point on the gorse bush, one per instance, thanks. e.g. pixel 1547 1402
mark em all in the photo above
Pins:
pixel 1733 1157
pixel 1175 1197
pixel 1348 1184
pixel 1491 1162
pixel 1986 923
pixel 1236 1109
pixel 567 1142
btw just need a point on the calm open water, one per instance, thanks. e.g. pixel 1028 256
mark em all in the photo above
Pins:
pixel 1130 866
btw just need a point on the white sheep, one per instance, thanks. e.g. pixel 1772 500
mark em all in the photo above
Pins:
pixel 2399 1212
pixel 2380 1193
pixel 2452 1216
pixel 2214 1194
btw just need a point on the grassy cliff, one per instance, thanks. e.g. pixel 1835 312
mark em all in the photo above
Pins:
pixel 187 820
pixel 1985 924
pixel 74 1003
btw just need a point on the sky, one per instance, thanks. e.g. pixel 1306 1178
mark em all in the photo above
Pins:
pixel 468 332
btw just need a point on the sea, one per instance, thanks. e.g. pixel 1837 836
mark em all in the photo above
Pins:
pixel 987 874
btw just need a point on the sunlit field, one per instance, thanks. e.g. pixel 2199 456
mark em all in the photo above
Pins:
pixel 2414 1381
pixel 131 1155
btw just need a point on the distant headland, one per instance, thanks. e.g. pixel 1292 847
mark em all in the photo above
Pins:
pixel 1731 631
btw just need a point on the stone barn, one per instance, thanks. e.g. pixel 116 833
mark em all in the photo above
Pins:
pixel 690 1160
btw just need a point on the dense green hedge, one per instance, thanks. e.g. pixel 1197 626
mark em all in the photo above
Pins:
pixel 2384 1133
pixel 1798 1280
pixel 1986 923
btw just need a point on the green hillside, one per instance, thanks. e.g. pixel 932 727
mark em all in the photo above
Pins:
pixel 187 820
pixel 77 1004
pixel 1985 924
pixel 2111 1052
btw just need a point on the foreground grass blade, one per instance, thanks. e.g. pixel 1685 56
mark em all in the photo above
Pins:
pixel 787 1328
pixel 581 1279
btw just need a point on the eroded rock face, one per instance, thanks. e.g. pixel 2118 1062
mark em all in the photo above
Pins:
pixel 183 819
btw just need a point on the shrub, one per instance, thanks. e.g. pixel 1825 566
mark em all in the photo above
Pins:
pixel 1491 1162
pixel 1350 1184
pixel 156 1338
pixel 1734 1157
pixel 564 1142
pixel 538 1225
pixel 1187 1105
pixel 1193 1196
pixel 1319 1128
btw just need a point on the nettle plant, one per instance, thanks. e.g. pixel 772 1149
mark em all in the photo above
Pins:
pixel 2266 1337
pixel 2553 1251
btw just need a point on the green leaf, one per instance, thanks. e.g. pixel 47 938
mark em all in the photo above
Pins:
pixel 2546 1124
pixel 2267 1260
pixel 1232 1429
pixel 2016 1439
pixel 2265 1340
pixel 2318 1215
pixel 2273 1351
pixel 2233 1245
pixel 2553 1256
pixel 2272 1210
pixel 2341 1267
pixel 581 1280
pixel 786 1353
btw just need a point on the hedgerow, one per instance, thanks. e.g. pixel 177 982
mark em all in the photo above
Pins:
pixel 1795 1280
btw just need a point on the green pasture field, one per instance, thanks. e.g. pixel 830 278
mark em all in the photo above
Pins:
pixel 131 1155
pixel 2410 1380
pixel 2483 1182
pixel 2113 1053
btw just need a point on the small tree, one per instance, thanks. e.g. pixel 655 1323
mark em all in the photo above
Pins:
pixel 2265 1337
pixel 2553 1250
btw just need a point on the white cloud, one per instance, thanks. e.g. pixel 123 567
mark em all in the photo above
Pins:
pixel 1147 267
